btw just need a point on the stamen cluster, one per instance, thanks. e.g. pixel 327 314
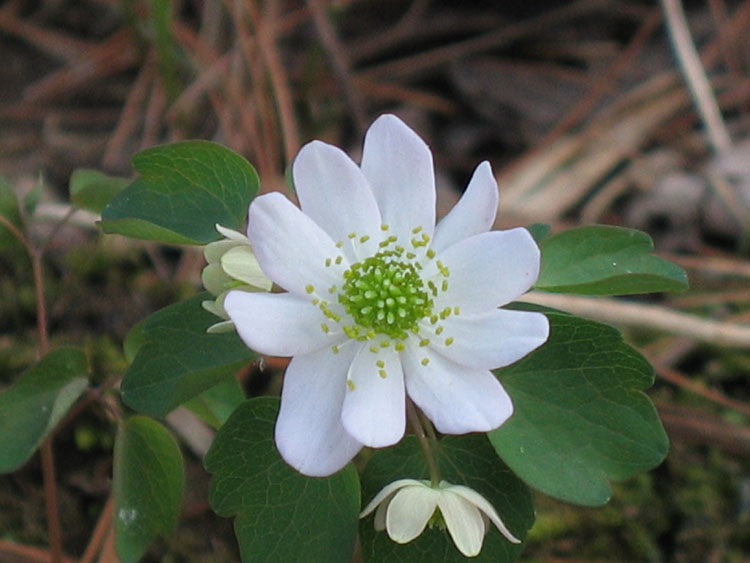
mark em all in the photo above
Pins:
pixel 385 294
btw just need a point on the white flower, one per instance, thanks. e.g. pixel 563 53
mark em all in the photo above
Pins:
pixel 381 302
pixel 231 265
pixel 406 506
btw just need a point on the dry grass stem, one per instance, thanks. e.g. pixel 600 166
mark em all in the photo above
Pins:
pixel 675 377
pixel 339 62
pixel 695 75
pixel 265 28
pixel 414 65
pixel 653 317
pixel 545 185
pixel 130 114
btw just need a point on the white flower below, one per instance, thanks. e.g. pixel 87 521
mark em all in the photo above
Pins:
pixel 405 507
pixel 381 302
pixel 231 265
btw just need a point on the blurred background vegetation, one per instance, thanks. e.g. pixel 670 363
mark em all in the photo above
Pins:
pixel 580 106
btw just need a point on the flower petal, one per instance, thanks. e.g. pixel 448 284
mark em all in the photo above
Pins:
pixel 335 194
pixel 277 324
pixel 455 398
pixel 380 513
pixel 409 512
pixel 484 505
pixel 241 264
pixel 487 270
pixel 398 166
pixel 213 251
pixel 464 522
pixel 231 234
pixel 374 411
pixel 220 327
pixel 473 214
pixel 385 492
pixel 214 279
pixel 309 432
pixel 290 247
pixel 490 340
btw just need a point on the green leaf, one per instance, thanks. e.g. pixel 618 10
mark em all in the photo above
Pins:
pixel 93 190
pixel 184 190
pixel 604 260
pixel 281 515
pixel 539 231
pixel 215 405
pixel 177 360
pixel 581 418
pixel 134 340
pixel 31 408
pixel 148 484
pixel 462 460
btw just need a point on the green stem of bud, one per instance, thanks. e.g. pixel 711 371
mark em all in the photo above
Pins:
pixel 425 442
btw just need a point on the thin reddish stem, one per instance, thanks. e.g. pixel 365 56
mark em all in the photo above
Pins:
pixel 47 455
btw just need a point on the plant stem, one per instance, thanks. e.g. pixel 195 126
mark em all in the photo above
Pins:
pixel 47 455
pixel 103 527
pixel 48 458
pixel 50 501
pixel 41 308
pixel 429 455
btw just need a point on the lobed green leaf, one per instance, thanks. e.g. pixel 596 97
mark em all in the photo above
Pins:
pixel 31 408
pixel 280 515
pixel 462 460
pixel 176 360
pixel 581 418
pixel 148 484
pixel 605 260
pixel 183 191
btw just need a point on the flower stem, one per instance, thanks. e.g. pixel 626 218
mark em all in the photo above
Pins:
pixel 425 442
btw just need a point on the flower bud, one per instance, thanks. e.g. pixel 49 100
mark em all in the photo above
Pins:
pixel 231 265
pixel 407 506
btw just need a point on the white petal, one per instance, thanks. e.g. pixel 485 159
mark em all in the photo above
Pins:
pixel 374 410
pixel 385 492
pixel 380 514
pixel 334 193
pixel 241 264
pixel 464 523
pixel 409 512
pixel 483 504
pixel 309 433
pixel 473 214
pixel 220 327
pixel 398 166
pixel 290 247
pixel 214 279
pixel 488 270
pixel 231 234
pixel 490 340
pixel 213 251
pixel 277 324
pixel 456 399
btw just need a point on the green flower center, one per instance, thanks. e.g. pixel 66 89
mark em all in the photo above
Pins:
pixel 385 294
